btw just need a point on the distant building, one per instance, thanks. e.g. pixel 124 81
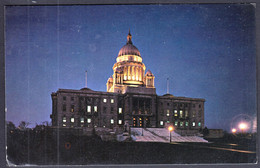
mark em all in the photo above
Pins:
pixel 130 100
pixel 215 133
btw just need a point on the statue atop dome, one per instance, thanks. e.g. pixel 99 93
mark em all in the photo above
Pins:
pixel 129 38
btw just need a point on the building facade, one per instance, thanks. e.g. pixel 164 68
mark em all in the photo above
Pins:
pixel 130 99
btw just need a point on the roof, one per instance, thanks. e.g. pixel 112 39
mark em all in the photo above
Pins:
pixel 129 49
pixel 149 73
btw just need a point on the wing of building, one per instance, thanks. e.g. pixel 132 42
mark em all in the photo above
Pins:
pixel 130 99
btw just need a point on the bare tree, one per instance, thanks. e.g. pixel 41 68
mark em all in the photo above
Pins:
pixel 23 125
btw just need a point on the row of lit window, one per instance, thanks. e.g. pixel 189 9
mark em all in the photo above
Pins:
pixel 182 113
pixel 104 100
pixel 82 120
pixel 182 123
pixel 89 109
pixel 111 100
pixel 176 113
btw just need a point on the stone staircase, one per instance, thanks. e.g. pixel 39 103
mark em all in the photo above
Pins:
pixel 161 135
pixel 147 136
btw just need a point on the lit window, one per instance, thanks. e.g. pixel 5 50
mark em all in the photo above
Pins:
pixel 89 109
pixel 168 113
pixel 181 113
pixel 112 100
pixel 193 124
pixel 161 122
pixel 199 124
pixel 168 121
pixel 72 108
pixel 81 120
pixel 72 119
pixel 112 121
pixel 64 119
pixel 64 125
pixel 104 100
pixel 95 108
pixel 176 123
pixel 186 113
pixel 120 110
pixel 125 77
pixel 181 124
pixel 89 120
pixel 187 124
pixel 119 122
pixel 175 113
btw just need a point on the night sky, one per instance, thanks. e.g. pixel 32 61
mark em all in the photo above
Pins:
pixel 206 51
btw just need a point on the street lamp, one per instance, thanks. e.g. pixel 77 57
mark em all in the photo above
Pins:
pixel 234 130
pixel 170 128
pixel 242 126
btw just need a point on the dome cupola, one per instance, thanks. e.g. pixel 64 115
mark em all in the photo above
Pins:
pixel 129 48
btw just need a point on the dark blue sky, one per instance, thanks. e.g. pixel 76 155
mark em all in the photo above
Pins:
pixel 207 51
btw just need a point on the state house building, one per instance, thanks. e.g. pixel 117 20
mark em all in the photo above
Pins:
pixel 130 99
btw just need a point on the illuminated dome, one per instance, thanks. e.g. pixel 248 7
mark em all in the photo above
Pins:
pixel 129 48
pixel 129 70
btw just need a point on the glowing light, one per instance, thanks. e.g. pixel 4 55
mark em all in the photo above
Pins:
pixel 170 128
pixel 245 120
pixel 234 130
pixel 242 126
pixel 89 120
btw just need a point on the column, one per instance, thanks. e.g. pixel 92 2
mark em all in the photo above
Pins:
pixel 133 75
pixel 140 74
pixel 137 73
pixel 128 72
pixel 125 73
